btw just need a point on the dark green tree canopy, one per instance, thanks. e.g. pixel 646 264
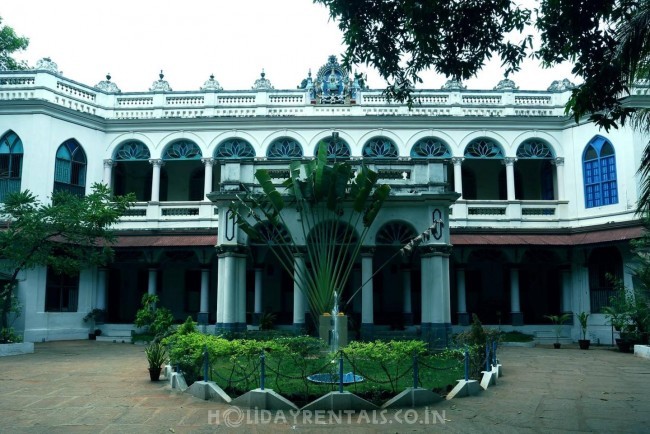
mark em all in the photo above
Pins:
pixel 9 44
pixel 607 41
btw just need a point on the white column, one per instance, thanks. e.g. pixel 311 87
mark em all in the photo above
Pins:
pixel 458 175
pixel 426 268
pixel 514 290
pixel 559 177
pixel 108 171
pixel 205 284
pixel 207 184
pixel 463 316
pixel 446 293
pixel 229 295
pixel 510 176
pixel 241 292
pixel 298 294
pixel 566 290
pixel 438 315
pixel 152 281
pixel 155 179
pixel 258 291
pixel 220 289
pixel 367 302
pixel 406 284
pixel 100 302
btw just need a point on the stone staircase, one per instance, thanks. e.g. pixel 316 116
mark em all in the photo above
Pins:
pixel 547 337
pixel 117 333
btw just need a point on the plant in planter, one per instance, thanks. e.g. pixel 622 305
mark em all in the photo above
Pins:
pixel 95 316
pixel 582 319
pixel 156 356
pixel 558 322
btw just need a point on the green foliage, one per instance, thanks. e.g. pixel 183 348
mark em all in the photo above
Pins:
pixel 582 319
pixel 9 336
pixel 267 320
pixel 11 43
pixel 516 336
pixel 157 320
pixel 189 326
pixel 335 207
pixel 156 354
pixel 403 39
pixel 68 234
pixel 94 315
pixel 558 323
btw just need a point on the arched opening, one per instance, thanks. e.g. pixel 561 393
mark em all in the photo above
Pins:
pixel 604 264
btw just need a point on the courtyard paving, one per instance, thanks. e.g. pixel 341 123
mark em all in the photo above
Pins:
pixel 102 387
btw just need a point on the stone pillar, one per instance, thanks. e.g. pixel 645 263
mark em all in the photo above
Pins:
pixel 207 184
pixel 559 177
pixel 257 313
pixel 151 289
pixel 517 317
pixel 406 285
pixel 367 302
pixel 108 172
pixel 241 292
pixel 155 179
pixel 221 267
pixel 100 302
pixel 565 275
pixel 435 326
pixel 298 294
pixel 203 315
pixel 510 176
pixel 229 294
pixel 458 175
pixel 463 316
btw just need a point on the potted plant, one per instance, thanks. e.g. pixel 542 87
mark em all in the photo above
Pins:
pixel 582 319
pixel 95 316
pixel 558 322
pixel 156 356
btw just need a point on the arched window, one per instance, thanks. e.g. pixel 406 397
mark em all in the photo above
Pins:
pixel 234 149
pixel 395 234
pixel 483 148
pixel 534 174
pixel 430 147
pixel 380 147
pixel 70 168
pixel 133 150
pixel 283 149
pixel 182 150
pixel 11 163
pixel 337 149
pixel 599 172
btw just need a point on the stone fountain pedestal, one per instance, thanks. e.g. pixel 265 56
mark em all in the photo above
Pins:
pixel 326 325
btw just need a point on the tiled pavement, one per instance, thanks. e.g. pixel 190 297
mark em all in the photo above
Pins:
pixel 92 387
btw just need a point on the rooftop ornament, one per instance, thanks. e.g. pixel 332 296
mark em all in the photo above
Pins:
pixel 160 85
pixel 107 85
pixel 211 84
pixel 453 84
pixel 46 64
pixel 262 83
pixel 506 84
pixel 560 86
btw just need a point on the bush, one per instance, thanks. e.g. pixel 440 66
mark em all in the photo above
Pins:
pixel 156 320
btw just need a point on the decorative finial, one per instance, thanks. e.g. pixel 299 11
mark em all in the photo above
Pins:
pixel 108 77
pixel 161 75
pixel 263 74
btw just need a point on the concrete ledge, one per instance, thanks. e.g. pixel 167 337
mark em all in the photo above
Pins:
pixel 177 381
pixel 464 388
pixel 16 349
pixel 336 401
pixel 265 399
pixel 208 390
pixel 530 344
pixel 489 379
pixel 412 397
pixel 642 351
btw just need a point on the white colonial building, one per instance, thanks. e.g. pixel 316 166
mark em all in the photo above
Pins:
pixel 536 209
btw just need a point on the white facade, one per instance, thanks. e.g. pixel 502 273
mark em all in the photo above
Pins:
pixel 521 239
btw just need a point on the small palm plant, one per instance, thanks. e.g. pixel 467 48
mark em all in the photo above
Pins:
pixel 582 319
pixel 558 322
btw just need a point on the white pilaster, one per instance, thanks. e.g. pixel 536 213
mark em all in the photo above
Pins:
pixel 510 176
pixel 108 171
pixel 207 184
pixel 155 179
pixel 458 175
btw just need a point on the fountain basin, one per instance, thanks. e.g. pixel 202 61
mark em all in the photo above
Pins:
pixel 348 378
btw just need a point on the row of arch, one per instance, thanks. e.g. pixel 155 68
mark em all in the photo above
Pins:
pixel 380 147
pixel 598 160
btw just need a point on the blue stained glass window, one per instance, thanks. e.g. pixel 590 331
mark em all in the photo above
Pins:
pixel 131 151
pixel 234 149
pixel 182 150
pixel 337 149
pixel 430 147
pixel 599 173
pixel 483 148
pixel 70 168
pixel 380 147
pixel 11 164
pixel 284 148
